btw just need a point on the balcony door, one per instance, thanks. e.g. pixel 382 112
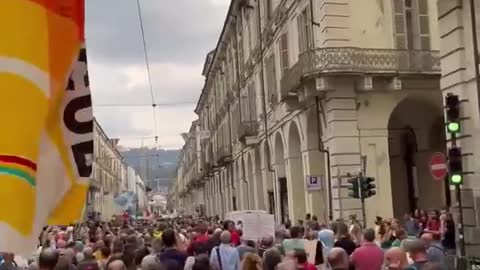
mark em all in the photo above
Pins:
pixel 412 32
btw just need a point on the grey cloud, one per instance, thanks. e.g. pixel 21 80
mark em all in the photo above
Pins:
pixel 175 30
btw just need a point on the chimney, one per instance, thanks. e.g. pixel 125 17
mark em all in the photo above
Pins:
pixel 114 141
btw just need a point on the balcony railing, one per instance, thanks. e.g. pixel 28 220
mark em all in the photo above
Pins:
pixel 247 129
pixel 360 60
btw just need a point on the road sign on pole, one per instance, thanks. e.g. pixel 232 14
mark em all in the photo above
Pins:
pixel 438 166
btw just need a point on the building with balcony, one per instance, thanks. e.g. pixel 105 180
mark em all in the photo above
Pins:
pixel 326 90
pixel 108 174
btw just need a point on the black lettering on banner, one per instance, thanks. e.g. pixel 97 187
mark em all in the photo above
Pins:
pixel 86 80
pixel 82 56
pixel 80 152
pixel 71 84
pixel 72 108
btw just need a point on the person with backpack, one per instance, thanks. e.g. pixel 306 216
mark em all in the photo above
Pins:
pixel 225 257
pixel 435 250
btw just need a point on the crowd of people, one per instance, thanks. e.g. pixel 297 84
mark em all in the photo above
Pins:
pixel 419 242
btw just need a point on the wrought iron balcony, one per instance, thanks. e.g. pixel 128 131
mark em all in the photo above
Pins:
pixel 359 61
pixel 247 129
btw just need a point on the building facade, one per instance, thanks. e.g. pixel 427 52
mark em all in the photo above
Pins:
pixel 459 32
pixel 326 90
pixel 108 175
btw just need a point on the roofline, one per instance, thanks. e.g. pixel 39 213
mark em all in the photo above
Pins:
pixel 214 57
pixel 108 138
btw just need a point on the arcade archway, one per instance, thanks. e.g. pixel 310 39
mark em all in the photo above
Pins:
pixel 416 131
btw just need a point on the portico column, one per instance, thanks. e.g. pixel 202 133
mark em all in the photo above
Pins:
pixel 343 142
pixel 317 201
pixel 296 188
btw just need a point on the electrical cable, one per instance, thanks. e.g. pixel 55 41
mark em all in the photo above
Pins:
pixel 144 105
pixel 149 75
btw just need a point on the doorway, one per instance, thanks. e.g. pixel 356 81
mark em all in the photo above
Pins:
pixel 283 192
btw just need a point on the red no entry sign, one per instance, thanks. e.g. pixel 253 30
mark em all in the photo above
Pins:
pixel 438 166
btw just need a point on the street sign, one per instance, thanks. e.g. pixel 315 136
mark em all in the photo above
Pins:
pixel 314 182
pixel 438 166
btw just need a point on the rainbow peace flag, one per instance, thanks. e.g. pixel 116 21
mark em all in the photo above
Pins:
pixel 46 139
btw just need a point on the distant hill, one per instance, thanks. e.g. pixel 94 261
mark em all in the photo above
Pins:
pixel 156 166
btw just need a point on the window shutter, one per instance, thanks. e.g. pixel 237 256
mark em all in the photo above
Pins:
pixel 301 37
pixel 284 53
pixel 245 109
pixel 252 97
pixel 274 77
pixel 424 25
pixel 271 78
pixel 308 28
pixel 399 22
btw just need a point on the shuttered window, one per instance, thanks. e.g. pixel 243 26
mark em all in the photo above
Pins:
pixel 268 9
pixel 283 47
pixel 400 25
pixel 424 25
pixel 240 46
pixel 245 106
pixel 304 30
pixel 411 24
pixel 252 100
pixel 271 78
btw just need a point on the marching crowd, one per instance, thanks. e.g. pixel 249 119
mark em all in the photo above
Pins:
pixel 420 241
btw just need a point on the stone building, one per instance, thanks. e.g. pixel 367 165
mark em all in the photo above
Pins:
pixel 459 33
pixel 330 89
pixel 108 175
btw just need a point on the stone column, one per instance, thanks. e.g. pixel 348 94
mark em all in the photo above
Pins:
pixel 296 189
pixel 317 201
pixel 458 77
pixel 260 191
pixel 343 142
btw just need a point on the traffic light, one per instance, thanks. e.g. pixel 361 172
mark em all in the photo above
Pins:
pixel 368 187
pixel 455 166
pixel 353 188
pixel 453 113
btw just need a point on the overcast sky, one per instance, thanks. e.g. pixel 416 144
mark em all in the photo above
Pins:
pixel 179 34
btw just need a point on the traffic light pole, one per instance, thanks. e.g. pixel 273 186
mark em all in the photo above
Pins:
pixel 458 196
pixel 362 199
pixel 461 238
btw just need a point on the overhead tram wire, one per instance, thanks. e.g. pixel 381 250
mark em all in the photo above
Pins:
pixel 145 105
pixel 149 75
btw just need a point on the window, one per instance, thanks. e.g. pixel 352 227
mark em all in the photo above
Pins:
pixel 240 46
pixel 268 9
pixel 250 33
pixel 252 100
pixel 271 78
pixel 411 24
pixel 283 46
pixel 304 30
pixel 244 106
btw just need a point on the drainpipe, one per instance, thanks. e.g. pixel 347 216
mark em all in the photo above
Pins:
pixel 326 153
pixel 475 49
